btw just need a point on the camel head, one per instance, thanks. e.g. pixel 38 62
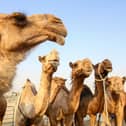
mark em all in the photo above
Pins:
pixel 115 83
pixel 20 32
pixel 50 62
pixel 81 68
pixel 59 81
pixel 102 69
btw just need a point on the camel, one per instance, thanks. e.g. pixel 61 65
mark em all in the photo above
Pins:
pixel 92 104
pixel 19 34
pixel 116 98
pixel 62 108
pixel 31 103
pixel 3 106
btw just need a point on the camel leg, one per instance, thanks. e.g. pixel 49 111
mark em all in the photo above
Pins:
pixel 0 123
pixel 105 120
pixel 113 122
pixel 92 120
pixel 119 118
pixel 78 120
pixel 125 114
pixel 53 122
pixel 68 120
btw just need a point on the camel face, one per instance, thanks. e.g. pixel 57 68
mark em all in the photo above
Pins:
pixel 115 83
pixel 81 68
pixel 102 69
pixel 50 62
pixel 20 32
pixel 107 65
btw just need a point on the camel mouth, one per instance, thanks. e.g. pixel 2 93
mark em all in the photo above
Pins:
pixel 60 40
pixel 55 63
pixel 89 70
pixel 88 73
pixel 56 29
pixel 109 69
pixel 57 34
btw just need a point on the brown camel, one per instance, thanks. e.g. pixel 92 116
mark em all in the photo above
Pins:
pixel 92 104
pixel 31 103
pixel 19 34
pixel 62 108
pixel 3 106
pixel 116 98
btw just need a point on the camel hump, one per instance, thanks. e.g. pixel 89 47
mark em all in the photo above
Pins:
pixel 57 84
pixel 85 92
pixel 28 84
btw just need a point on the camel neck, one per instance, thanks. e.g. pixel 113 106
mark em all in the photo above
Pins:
pixel 42 97
pixel 45 82
pixel 99 92
pixel 77 86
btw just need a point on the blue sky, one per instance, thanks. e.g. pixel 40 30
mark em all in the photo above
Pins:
pixel 96 29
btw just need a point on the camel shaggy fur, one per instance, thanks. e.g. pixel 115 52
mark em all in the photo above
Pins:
pixel 19 34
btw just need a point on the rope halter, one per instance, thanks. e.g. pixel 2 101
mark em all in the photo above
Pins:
pixel 104 90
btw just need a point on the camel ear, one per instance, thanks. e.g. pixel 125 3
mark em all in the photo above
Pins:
pixel 93 65
pixel 124 79
pixel 41 59
pixel 71 64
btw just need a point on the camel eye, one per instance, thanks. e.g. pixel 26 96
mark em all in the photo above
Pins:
pixel 75 65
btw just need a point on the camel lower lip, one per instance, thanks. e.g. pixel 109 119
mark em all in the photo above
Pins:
pixel 88 72
pixel 109 70
pixel 60 40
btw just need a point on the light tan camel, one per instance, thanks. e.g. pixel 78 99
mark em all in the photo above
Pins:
pixel 19 34
pixel 32 103
pixel 92 104
pixel 62 108
pixel 116 98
